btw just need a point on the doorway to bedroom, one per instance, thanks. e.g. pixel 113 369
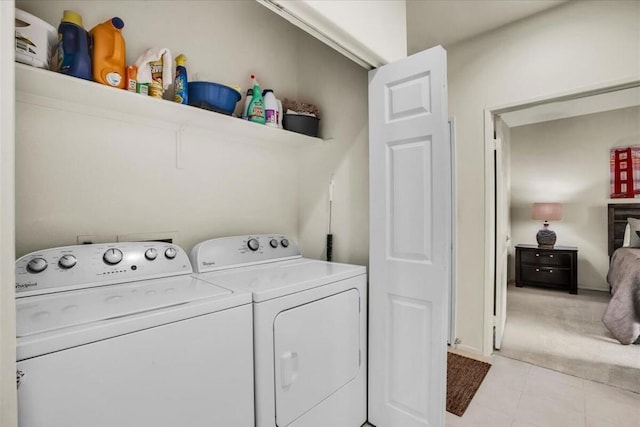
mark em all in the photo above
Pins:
pixel 558 152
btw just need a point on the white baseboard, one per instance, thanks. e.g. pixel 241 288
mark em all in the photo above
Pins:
pixel 594 289
pixel 470 352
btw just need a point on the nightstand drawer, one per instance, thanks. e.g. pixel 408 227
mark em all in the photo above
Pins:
pixel 546 275
pixel 556 267
pixel 546 259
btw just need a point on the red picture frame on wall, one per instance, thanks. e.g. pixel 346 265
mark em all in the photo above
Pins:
pixel 624 165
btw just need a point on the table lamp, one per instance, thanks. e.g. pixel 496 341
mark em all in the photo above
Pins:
pixel 547 212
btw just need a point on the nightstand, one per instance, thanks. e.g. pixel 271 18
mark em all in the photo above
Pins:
pixel 554 268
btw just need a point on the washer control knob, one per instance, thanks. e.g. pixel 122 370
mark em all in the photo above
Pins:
pixel 67 261
pixel 36 265
pixel 273 243
pixel 284 243
pixel 112 256
pixel 170 253
pixel 151 254
pixel 253 244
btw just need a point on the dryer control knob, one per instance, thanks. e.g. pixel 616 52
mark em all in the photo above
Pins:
pixel 253 244
pixel 112 256
pixel 67 261
pixel 151 254
pixel 170 253
pixel 284 243
pixel 273 243
pixel 36 265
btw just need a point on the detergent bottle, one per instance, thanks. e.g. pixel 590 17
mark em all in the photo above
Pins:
pixel 247 101
pixel 255 112
pixel 180 82
pixel 270 108
pixel 108 53
pixel 73 47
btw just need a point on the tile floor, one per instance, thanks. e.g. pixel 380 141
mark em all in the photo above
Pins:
pixel 517 394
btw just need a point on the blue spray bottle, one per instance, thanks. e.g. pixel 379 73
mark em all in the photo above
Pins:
pixel 180 82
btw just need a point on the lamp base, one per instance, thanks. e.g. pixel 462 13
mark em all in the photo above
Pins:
pixel 546 238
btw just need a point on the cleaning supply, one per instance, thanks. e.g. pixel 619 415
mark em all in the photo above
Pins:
pixel 132 78
pixel 108 53
pixel 256 105
pixel 180 84
pixel 73 47
pixel 279 113
pixel 35 39
pixel 156 87
pixel 270 108
pixel 247 100
pixel 155 71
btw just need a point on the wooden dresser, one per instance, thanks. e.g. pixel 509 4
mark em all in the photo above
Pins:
pixel 555 268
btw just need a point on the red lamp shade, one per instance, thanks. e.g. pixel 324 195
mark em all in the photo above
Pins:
pixel 547 211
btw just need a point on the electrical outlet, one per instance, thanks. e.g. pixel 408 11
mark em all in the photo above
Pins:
pixel 87 239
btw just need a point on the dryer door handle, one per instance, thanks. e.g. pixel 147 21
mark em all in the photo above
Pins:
pixel 288 369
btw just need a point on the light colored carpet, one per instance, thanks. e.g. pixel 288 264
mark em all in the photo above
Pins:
pixel 563 332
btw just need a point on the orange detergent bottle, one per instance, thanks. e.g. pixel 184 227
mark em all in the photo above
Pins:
pixel 108 53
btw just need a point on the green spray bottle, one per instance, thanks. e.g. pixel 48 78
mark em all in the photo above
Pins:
pixel 255 112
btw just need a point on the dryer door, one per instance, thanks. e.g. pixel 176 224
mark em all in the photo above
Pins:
pixel 317 351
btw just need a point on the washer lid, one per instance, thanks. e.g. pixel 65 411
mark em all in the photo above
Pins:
pixel 277 279
pixel 51 312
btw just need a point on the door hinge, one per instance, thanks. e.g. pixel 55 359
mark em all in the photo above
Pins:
pixel 19 376
pixel 495 144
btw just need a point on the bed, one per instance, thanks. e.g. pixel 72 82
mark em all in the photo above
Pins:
pixel 622 315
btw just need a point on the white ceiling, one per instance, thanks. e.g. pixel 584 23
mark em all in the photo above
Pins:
pixel 445 22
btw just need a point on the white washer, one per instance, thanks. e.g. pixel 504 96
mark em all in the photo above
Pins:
pixel 309 328
pixel 123 335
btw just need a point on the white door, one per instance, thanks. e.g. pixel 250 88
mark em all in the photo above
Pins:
pixel 316 351
pixel 410 240
pixel 502 242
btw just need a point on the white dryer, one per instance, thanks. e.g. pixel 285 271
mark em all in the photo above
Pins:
pixel 123 335
pixel 310 338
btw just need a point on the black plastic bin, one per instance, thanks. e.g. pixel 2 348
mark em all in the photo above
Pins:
pixel 300 123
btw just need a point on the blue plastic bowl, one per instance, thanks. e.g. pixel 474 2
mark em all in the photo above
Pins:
pixel 213 96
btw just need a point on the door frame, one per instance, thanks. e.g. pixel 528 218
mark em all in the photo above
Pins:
pixel 490 115
pixel 452 286
pixel 8 395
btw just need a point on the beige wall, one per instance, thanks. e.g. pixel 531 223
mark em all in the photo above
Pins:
pixel 345 156
pixel 81 174
pixel 577 45
pixel 567 161
pixel 574 46
pixel 8 416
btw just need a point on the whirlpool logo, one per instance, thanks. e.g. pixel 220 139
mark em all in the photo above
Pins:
pixel 24 286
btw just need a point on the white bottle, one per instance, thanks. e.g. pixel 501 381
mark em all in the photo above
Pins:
pixel 247 100
pixel 279 113
pixel 270 108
